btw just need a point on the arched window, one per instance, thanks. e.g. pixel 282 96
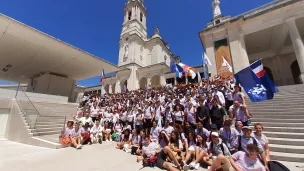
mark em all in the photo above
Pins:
pixel 141 17
pixel 129 15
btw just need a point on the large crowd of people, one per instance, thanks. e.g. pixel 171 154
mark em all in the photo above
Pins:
pixel 178 127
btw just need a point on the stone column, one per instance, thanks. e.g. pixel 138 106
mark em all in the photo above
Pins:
pixel 297 44
pixel 117 87
pixel 148 81
pixel 110 89
pixel 187 82
pixel 175 81
pixel 238 51
pixel 209 48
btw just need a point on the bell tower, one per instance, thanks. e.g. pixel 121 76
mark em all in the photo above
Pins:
pixel 135 18
pixel 134 32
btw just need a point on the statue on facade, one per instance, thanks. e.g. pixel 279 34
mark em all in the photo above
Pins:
pixel 216 8
pixel 126 51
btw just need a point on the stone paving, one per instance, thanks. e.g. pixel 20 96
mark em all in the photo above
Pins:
pixel 20 157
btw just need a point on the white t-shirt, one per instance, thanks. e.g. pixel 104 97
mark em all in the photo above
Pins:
pixel 150 149
pixel 138 116
pixel 190 115
pixel 94 111
pixel 155 132
pixel 179 116
pixel 96 129
pixel 168 130
pixel 123 116
pixel 148 112
pixel 262 139
pixel 76 133
pixel 247 164
pixel 68 132
pixel 158 111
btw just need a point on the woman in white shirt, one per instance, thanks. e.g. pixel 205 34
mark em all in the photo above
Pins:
pixel 130 117
pixel 190 111
pixel 178 116
pixel 94 112
pixel 259 136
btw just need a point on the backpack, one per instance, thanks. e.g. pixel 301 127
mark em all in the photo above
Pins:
pixel 222 147
pixel 240 142
pixel 277 166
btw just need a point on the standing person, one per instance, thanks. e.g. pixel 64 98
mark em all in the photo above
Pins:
pixel 202 115
pixel 190 113
pixel 259 136
pixel 169 115
pixel 123 116
pixel 159 112
pixel 96 133
pixel 217 114
pixel 220 96
pixel 94 112
pixel 130 117
pixel 139 117
pixel 178 116
pixel 239 112
pixel 148 117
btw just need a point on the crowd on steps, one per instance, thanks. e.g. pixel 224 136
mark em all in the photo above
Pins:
pixel 178 127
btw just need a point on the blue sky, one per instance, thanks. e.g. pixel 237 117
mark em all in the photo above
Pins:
pixel 95 25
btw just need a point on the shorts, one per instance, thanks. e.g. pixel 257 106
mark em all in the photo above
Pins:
pixel 179 122
pixel 66 141
pixel 161 159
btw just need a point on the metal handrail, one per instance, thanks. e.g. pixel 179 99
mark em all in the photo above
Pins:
pixel 31 103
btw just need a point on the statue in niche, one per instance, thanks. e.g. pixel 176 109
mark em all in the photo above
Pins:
pixel 126 51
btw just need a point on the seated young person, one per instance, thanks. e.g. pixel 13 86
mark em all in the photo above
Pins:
pixel 152 155
pixel 85 134
pixel 125 139
pixel 239 161
pixel 106 132
pixel 242 141
pixel 67 136
pixel 96 132
pixel 76 135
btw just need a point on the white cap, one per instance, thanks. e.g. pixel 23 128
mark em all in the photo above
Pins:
pixel 214 134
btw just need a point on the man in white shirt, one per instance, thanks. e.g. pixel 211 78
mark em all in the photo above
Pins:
pixel 96 133
pixel 87 119
pixel 220 95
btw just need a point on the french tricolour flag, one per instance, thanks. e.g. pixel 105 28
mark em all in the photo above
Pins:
pixel 257 68
pixel 102 76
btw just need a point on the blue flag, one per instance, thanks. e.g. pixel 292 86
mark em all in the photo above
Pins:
pixel 179 71
pixel 256 82
pixel 172 66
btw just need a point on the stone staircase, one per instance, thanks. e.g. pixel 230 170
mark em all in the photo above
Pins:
pixel 51 119
pixel 283 121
